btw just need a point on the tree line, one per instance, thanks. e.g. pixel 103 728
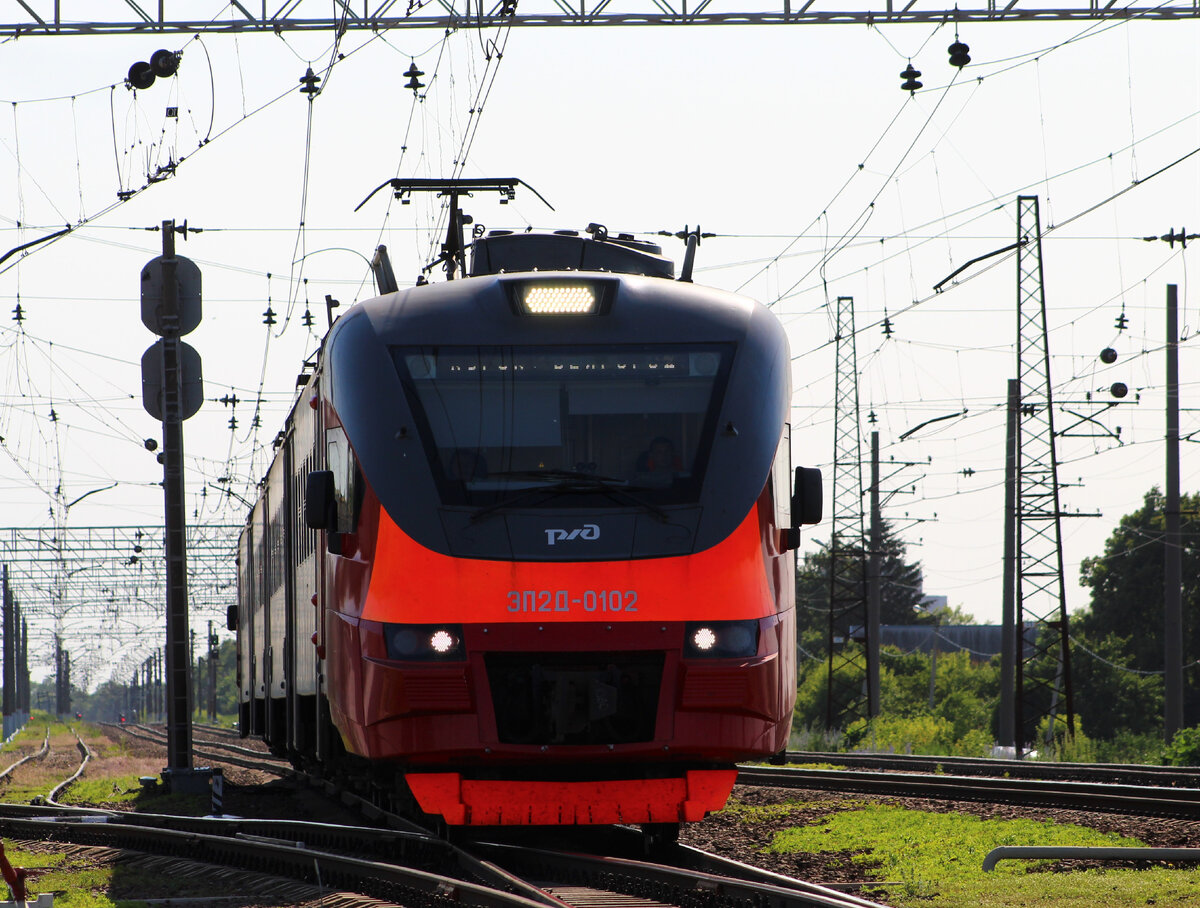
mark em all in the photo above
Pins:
pixel 1117 648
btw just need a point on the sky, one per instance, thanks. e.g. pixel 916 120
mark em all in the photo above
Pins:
pixel 794 145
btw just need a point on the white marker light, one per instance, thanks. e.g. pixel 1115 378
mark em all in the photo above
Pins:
pixel 441 642
pixel 704 639
pixel 559 298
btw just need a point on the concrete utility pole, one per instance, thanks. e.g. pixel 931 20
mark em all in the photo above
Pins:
pixel 10 656
pixel 1010 634
pixel 874 584
pixel 1172 562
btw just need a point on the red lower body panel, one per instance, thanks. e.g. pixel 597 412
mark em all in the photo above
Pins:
pixel 477 802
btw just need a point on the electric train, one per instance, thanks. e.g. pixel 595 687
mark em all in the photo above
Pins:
pixel 525 553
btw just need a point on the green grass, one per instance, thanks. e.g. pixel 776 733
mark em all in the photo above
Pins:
pixel 934 860
pixel 110 790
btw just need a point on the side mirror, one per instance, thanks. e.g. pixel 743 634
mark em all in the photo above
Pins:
pixel 231 618
pixel 807 497
pixel 319 501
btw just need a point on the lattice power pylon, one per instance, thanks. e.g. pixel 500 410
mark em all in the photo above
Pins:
pixel 1043 670
pixel 847 695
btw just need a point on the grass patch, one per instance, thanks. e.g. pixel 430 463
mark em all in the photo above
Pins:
pixel 107 791
pixel 765 813
pixel 935 860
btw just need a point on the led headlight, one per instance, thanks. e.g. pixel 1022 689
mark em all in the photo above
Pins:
pixel 558 298
pixel 423 642
pixel 720 639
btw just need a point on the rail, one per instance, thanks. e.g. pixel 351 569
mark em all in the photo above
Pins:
pixel 1139 800
pixel 1094 853
pixel 86 754
pixel 1129 773
pixel 33 756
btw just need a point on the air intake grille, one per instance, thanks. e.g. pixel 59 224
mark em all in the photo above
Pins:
pixel 575 698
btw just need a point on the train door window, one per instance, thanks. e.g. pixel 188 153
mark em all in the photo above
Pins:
pixel 342 463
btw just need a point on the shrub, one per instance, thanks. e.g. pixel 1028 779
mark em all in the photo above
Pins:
pixel 1184 749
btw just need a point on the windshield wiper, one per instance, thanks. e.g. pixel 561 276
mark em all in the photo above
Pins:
pixel 565 482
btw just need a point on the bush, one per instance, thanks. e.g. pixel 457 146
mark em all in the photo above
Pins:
pixel 1184 749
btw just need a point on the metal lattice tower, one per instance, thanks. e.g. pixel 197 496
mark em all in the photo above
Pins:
pixel 847 696
pixel 1041 690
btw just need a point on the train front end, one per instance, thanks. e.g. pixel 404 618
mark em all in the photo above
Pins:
pixel 558 577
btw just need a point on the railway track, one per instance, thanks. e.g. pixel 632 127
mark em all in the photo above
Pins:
pixel 594 867
pixel 418 869
pixel 413 867
pixel 232 754
pixel 1136 800
pixel 1129 774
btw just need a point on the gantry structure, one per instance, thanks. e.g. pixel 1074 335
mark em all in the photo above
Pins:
pixel 87 17
pixel 100 592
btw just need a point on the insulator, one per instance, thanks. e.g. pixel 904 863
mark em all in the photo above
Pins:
pixel 307 319
pixel 18 314
pixel 308 83
pixel 414 74
pixel 1122 321
pixel 269 316
pixel 233 422
pixel 140 76
pixel 958 54
pixel 164 63
pixel 910 78
pixel 872 418
pixel 1108 356
pixel 888 331
pixel 1119 389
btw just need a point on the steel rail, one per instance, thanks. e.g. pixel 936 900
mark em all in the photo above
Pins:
pixel 85 753
pixel 291 859
pixel 668 884
pixel 33 756
pixel 1135 800
pixel 1088 853
pixel 259 760
pixel 1128 773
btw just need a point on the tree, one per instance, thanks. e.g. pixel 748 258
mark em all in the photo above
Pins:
pixel 1125 618
pixel 901 591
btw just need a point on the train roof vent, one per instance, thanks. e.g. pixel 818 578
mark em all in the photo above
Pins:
pixel 567 250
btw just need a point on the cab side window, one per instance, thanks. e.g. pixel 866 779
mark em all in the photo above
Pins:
pixel 342 463
pixel 781 479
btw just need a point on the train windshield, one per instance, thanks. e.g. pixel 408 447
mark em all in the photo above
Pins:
pixel 612 426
